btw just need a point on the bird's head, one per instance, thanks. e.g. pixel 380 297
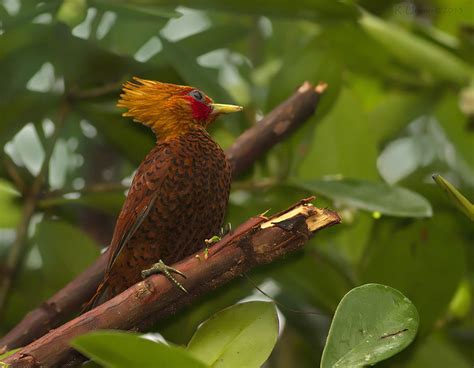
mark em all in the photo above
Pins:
pixel 169 109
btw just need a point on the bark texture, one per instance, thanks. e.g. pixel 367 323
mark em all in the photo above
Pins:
pixel 258 241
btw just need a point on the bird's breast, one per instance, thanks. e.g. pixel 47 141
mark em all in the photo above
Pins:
pixel 192 198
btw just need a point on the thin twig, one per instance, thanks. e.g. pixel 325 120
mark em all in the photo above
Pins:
pixel 95 91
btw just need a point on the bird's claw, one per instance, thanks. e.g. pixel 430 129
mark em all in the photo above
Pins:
pixel 166 270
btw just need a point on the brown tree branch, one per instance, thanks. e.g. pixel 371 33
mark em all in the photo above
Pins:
pixel 272 129
pixel 258 241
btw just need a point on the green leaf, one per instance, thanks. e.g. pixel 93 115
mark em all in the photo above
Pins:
pixel 20 37
pixel 121 349
pixel 334 151
pixel 371 323
pixel 240 336
pixel 424 259
pixel 65 251
pixel 455 196
pixel 417 52
pixel 10 211
pixel 182 326
pixel 371 196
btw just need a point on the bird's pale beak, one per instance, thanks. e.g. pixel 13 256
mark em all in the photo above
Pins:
pixel 225 109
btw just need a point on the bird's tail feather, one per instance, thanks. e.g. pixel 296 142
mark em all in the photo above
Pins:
pixel 98 298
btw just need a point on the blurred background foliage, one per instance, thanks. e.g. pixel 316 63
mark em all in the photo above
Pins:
pixel 399 107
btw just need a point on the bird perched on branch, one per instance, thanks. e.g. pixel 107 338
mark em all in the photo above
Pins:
pixel 180 191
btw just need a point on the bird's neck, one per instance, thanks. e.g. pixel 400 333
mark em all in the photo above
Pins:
pixel 185 131
pixel 171 130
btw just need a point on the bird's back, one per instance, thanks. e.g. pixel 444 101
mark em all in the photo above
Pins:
pixel 177 199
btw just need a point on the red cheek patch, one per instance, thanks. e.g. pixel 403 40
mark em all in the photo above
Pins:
pixel 200 110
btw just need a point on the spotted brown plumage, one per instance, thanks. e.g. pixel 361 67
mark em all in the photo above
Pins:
pixel 180 191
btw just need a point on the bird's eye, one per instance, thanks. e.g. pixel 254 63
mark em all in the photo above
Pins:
pixel 197 95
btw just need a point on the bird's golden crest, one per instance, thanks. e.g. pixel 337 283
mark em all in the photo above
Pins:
pixel 169 109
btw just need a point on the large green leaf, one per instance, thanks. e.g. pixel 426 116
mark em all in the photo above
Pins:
pixel 371 196
pixel 336 148
pixel 240 336
pixel 65 251
pixel 424 259
pixel 371 323
pixel 182 326
pixel 116 349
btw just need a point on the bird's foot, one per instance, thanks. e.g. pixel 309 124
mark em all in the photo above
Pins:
pixel 166 270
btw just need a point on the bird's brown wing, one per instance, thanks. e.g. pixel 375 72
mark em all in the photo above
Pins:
pixel 140 199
